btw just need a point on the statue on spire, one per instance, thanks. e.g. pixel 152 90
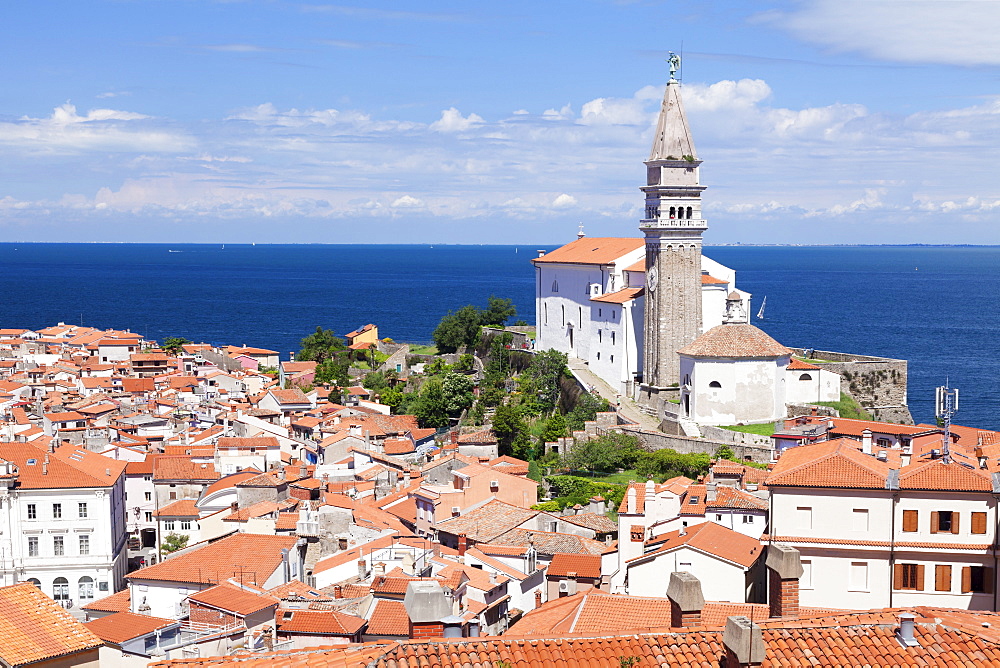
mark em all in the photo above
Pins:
pixel 675 64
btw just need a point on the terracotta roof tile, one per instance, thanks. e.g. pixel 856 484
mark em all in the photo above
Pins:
pixel 736 341
pixel 323 622
pixel 710 538
pixel 231 598
pixel 620 296
pixel 123 626
pixel 114 603
pixel 836 463
pixel 583 565
pixel 388 618
pixel 182 508
pixel 591 250
pixel 68 467
pixel 249 557
pixel 35 628
pixel 488 521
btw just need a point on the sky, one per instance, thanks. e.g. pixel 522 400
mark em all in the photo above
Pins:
pixel 266 121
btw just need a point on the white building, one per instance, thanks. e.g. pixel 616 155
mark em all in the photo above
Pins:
pixel 62 521
pixel 875 532
pixel 589 304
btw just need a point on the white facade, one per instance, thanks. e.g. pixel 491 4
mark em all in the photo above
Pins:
pixel 721 580
pixel 585 309
pixel 864 541
pixel 804 386
pixel 723 391
pixel 68 541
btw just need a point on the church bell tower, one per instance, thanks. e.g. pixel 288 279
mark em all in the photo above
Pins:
pixel 673 227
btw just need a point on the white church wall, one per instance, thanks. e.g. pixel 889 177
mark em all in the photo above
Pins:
pixel 729 391
pixel 713 305
pixel 811 385
pixel 563 320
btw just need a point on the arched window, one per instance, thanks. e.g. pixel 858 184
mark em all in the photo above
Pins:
pixel 687 379
pixel 60 589
pixel 689 212
pixel 86 588
pixel 36 582
pixel 555 286
pixel 715 383
pixel 805 376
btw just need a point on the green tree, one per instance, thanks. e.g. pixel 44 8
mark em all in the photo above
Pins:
pixel 607 453
pixel 540 381
pixel 498 311
pixel 509 428
pixel 320 346
pixel 173 542
pixel 430 408
pixel 725 452
pixel 333 371
pixel 586 408
pixel 457 391
pixel 458 328
pixel 669 463
pixel 172 345
pixel 554 428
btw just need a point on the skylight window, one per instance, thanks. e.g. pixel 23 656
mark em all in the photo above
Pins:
pixel 694 500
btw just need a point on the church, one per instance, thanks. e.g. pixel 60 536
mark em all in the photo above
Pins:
pixel 645 313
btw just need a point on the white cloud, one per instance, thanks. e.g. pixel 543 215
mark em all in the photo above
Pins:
pixel 407 202
pixel 452 121
pixel 563 201
pixel 948 32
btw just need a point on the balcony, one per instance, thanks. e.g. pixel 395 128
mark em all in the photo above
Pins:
pixel 673 224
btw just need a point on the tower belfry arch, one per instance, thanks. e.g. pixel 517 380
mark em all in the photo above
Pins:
pixel 673 228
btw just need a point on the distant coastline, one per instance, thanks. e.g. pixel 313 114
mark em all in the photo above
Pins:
pixel 531 245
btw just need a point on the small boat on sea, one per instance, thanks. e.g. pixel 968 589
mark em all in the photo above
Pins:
pixel 760 313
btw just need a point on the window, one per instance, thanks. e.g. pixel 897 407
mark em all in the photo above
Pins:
pixel 32 511
pixel 718 518
pixel 32 546
pixel 806 580
pixel 60 589
pixel 86 585
pixel 186 525
pixel 805 376
pixel 599 336
pixel 942 578
pixel 638 533
pixel 612 337
pixel 148 496
pixel 978 522
pixel 860 519
pixel 58 546
pixel 694 500
pixel 612 359
pixel 908 576
pixel 149 516
pixel 909 520
pixel 944 521
pixel 36 582
pixel 977 579
pixel 563 311
pixel 748 519
pixel 555 286
pixel 85 543
pixel 715 383
pixel 81 509
pixel 169 526
pixel 56 511
pixel 859 576
pixel 173 496
pixel 804 517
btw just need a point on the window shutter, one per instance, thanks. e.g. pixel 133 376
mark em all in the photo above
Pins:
pixel 897 576
pixel 954 521
pixel 966 579
pixel 979 523
pixel 942 578
pixel 910 520
pixel 988 580
pixel 920 577
pixel 934 522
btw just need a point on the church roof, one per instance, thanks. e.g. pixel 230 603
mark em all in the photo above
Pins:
pixel 620 297
pixel 672 140
pixel 591 250
pixel 734 340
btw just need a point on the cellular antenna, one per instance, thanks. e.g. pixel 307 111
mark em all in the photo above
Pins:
pixel 946 405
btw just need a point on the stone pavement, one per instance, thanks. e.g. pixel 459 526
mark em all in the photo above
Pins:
pixel 628 408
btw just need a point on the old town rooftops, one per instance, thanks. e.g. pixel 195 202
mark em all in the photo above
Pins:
pixel 735 340
pixel 35 628
pixel 67 467
pixel 250 558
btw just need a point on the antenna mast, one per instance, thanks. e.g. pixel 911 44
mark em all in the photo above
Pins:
pixel 946 405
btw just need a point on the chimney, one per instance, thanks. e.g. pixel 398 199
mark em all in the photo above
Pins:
pixel 905 633
pixel 710 492
pixel 303 471
pixel 291 356
pixel 814 410
pixel 866 441
pixel 362 569
pixel 686 600
pixel 785 566
pixel 234 506
pixel 463 544
pixel 744 643
pixel 538 598
pixel 338 591
pixel 541 253
pixel 630 501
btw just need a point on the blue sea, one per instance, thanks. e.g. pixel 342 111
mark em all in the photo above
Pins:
pixel 938 307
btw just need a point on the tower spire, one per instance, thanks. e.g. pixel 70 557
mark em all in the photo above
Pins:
pixel 673 227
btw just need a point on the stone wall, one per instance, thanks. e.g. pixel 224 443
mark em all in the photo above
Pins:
pixel 653 440
pixel 719 434
pixel 877 383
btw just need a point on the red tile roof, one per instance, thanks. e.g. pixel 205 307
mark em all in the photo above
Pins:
pixel 620 296
pixel 251 558
pixel 35 628
pixel 67 467
pixel 123 626
pixel 582 565
pixel 388 618
pixel 114 603
pixel 710 538
pixel 324 622
pixel 735 340
pixel 231 598
pixel 591 250
pixel 182 508
pixel 836 463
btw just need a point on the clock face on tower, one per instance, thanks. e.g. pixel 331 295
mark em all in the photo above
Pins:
pixel 652 278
